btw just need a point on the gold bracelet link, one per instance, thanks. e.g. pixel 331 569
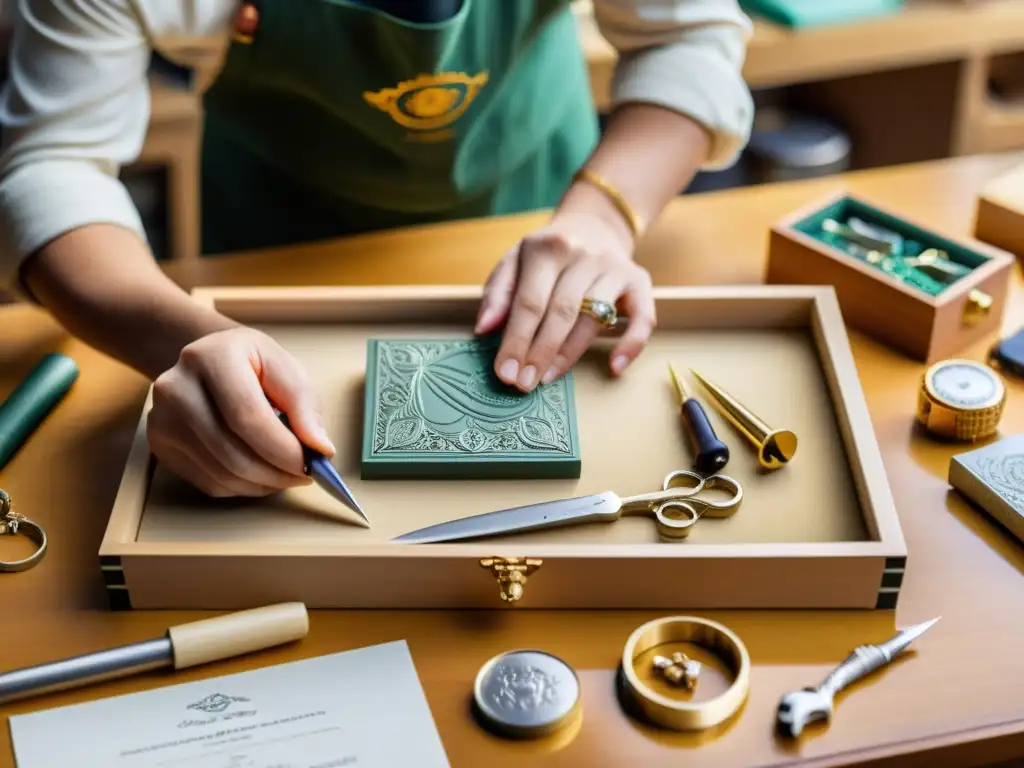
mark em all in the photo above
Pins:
pixel 633 220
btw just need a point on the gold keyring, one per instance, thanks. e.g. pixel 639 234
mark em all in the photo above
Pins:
pixel 602 311
pixel 679 715
pixel 13 524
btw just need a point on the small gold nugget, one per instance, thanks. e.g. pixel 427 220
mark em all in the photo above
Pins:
pixel 678 670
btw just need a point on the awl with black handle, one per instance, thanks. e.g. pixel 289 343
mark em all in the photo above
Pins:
pixel 710 455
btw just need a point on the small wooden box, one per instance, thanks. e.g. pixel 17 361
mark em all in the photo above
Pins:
pixel 926 327
pixel 999 218
pixel 820 533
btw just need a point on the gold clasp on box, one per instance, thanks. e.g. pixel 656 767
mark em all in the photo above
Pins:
pixel 511 573
pixel 976 307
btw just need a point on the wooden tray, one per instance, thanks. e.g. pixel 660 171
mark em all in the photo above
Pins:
pixel 821 532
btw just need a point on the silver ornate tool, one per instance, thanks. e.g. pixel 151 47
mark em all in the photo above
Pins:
pixel 808 705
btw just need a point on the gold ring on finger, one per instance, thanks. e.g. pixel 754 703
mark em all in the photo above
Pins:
pixel 602 311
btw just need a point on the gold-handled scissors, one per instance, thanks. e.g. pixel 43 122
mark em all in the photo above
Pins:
pixel 681 492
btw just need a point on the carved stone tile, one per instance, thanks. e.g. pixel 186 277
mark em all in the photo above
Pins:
pixel 435 408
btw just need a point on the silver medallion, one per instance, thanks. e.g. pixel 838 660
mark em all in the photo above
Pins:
pixel 527 693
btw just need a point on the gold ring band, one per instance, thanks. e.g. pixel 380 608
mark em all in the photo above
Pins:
pixel 679 715
pixel 11 523
pixel 602 311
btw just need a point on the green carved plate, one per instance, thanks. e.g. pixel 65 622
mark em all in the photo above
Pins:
pixel 435 409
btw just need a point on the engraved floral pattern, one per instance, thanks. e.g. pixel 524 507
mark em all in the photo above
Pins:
pixel 1005 475
pixel 403 432
pixel 536 432
pixel 442 397
pixel 472 439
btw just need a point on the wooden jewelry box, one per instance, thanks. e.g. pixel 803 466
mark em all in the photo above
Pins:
pixel 925 317
pixel 820 533
pixel 999 219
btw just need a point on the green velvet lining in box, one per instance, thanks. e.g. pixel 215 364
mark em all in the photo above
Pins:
pixel 809 13
pixel 901 264
pixel 435 409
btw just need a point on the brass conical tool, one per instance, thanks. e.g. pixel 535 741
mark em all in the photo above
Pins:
pixel 775 447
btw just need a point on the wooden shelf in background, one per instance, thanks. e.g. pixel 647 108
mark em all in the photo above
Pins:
pixel 925 32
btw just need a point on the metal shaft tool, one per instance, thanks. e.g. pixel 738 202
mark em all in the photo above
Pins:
pixel 938 265
pixel 319 467
pixel 799 708
pixel 849 233
pixel 710 454
pixel 186 645
pixel 775 447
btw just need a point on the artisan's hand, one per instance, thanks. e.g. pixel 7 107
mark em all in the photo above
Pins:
pixel 537 288
pixel 211 422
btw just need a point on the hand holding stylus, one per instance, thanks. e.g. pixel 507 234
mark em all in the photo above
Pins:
pixel 212 424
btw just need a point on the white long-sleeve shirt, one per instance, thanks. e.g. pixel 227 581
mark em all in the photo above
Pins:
pixel 76 104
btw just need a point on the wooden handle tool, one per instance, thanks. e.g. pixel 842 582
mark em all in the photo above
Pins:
pixel 184 646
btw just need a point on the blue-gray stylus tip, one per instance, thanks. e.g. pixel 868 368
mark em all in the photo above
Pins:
pixel 329 479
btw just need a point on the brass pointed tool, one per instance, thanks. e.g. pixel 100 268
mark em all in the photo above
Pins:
pixel 775 447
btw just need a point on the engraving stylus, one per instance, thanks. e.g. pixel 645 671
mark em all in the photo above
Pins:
pixel 710 454
pixel 319 467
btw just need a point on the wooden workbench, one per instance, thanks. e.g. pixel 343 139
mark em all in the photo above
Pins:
pixel 956 701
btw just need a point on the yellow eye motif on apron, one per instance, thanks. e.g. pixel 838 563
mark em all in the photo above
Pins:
pixel 428 102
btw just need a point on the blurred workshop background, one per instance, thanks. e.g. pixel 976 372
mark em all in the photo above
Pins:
pixel 839 84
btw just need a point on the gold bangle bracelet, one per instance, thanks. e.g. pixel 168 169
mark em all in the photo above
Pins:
pixel 679 715
pixel 636 224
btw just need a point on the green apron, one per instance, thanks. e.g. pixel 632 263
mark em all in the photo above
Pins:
pixel 338 119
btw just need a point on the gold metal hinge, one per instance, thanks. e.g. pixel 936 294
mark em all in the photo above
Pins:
pixel 976 307
pixel 511 573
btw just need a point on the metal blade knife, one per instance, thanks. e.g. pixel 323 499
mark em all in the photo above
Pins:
pixel 550 514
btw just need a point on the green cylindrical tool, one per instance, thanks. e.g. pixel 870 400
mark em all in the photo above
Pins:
pixel 33 400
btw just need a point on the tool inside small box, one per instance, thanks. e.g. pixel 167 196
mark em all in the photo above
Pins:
pixel 907 253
